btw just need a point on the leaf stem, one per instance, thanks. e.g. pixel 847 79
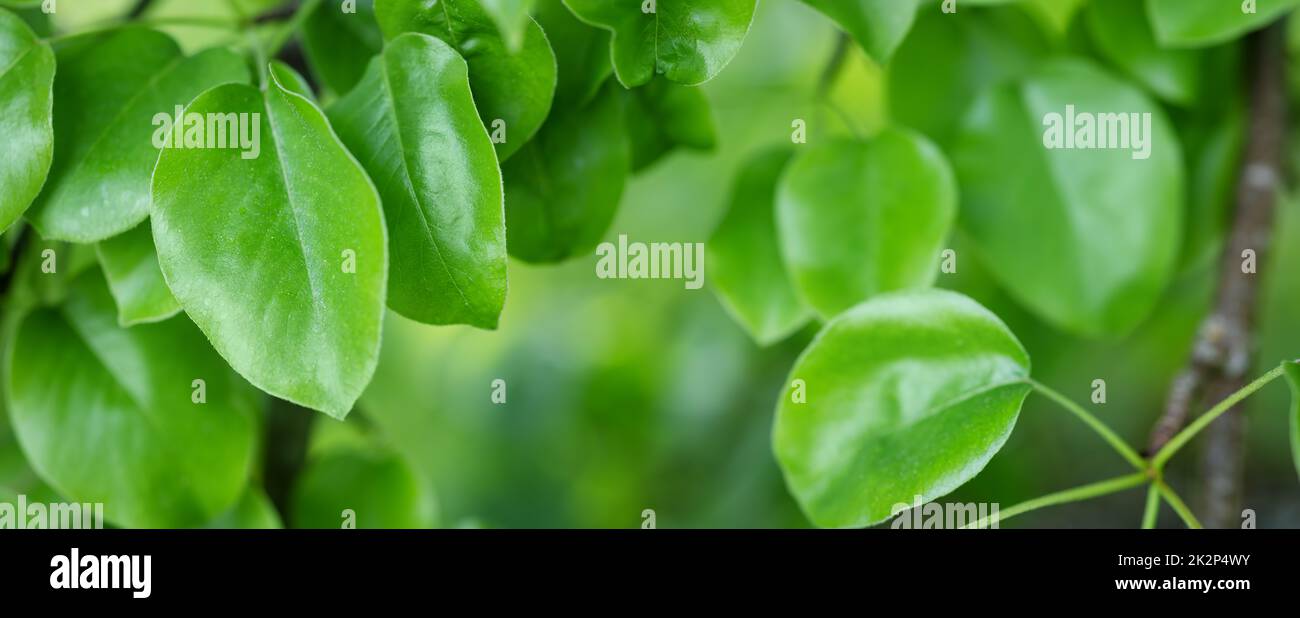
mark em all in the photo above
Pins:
pixel 1204 420
pixel 1178 505
pixel 1092 490
pixel 1093 423
pixel 1152 512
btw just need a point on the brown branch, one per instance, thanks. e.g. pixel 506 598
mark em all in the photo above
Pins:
pixel 1221 355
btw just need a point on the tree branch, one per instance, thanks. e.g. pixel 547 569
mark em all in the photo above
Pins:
pixel 1221 355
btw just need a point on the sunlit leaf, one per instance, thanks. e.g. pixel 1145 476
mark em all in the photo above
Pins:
pixel 26 106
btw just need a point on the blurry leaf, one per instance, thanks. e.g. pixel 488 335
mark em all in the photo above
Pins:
pixel 744 258
pixel 1214 160
pixel 376 487
pixel 908 394
pixel 877 25
pixel 26 103
pixel 280 258
pixel 340 45
pixel 859 218
pixel 1086 238
pixel 1122 32
pixel 193 37
pixel 109 88
pixel 119 425
pixel 1293 378
pixel 131 266
pixel 581 54
pixel 662 115
pixel 514 87
pixel 686 41
pixel 1201 23
pixel 412 124
pixel 944 63
pixel 77 15
pixel 563 188
pixel 254 511
pixel 511 17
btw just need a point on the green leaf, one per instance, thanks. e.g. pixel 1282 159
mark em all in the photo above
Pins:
pixel 563 188
pixel 107 414
pixel 944 63
pixel 281 258
pixel 511 17
pixel 26 106
pixel 662 115
pixel 581 54
pixel 1201 23
pixel 1122 33
pixel 744 263
pixel 412 124
pixel 131 266
pixel 513 87
pixel 254 511
pixel 860 218
pixel 109 88
pixel 1293 378
pixel 686 41
pixel 340 45
pixel 879 26
pixel 908 394
pixel 375 486
pixel 1086 238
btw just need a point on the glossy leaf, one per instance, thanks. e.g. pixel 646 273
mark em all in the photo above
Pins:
pixel 877 25
pixel 860 218
pixel 744 262
pixel 131 266
pixel 26 107
pixel 581 54
pixel 908 394
pixel 1086 238
pixel 686 41
pixel 109 88
pixel 107 414
pixel 412 124
pixel 662 115
pixel 515 88
pixel 1201 23
pixel 563 189
pixel 1293 378
pixel 377 487
pixel 339 45
pixel 1122 33
pixel 279 258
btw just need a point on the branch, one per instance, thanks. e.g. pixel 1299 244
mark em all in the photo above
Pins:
pixel 1221 355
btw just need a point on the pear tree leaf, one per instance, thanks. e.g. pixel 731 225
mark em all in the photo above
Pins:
pixel 581 54
pixel 339 45
pixel 1202 23
pixel 375 485
pixel 280 258
pixel 686 41
pixel 879 26
pixel 1121 31
pixel 511 17
pixel 26 108
pixel 860 218
pixel 412 124
pixel 513 90
pixel 662 115
pixel 130 264
pixel 110 87
pixel 110 414
pixel 908 394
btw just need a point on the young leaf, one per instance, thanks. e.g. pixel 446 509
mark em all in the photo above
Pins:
pixel 1122 33
pixel 131 266
pixel 744 263
pixel 563 188
pixel 376 486
pixel 513 90
pixel 877 25
pixel 908 394
pixel 339 45
pixel 686 41
pixel 860 218
pixel 1293 378
pixel 26 106
pixel 1085 237
pixel 412 124
pixel 581 54
pixel 280 258
pixel 1201 23
pixel 121 424
pixel 511 17
pixel 662 115
pixel 109 89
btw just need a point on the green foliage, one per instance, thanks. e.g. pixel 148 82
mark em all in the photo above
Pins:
pixel 878 25
pixel 339 45
pixel 1122 33
pixel 1198 23
pixel 131 266
pixel 663 116
pixel 26 81
pixel 1293 378
pixel 374 485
